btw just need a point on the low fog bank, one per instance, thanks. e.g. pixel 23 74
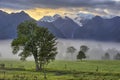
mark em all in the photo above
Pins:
pixel 6 50
pixel 96 49
pixel 95 52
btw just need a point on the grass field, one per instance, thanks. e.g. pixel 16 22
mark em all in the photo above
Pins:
pixel 61 70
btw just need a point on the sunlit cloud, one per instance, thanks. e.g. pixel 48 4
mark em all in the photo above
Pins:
pixel 39 8
pixel 10 10
pixel 38 13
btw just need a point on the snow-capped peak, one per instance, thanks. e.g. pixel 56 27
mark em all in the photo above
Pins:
pixel 56 16
pixel 47 19
pixel 50 18
pixel 78 21
pixel 81 17
pixel 78 18
pixel 85 16
pixel 108 16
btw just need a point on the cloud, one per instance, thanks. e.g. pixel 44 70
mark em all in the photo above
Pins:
pixel 28 4
pixel 96 6
pixel 38 13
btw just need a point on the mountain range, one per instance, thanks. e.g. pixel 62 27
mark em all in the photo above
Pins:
pixel 89 28
pixel 9 23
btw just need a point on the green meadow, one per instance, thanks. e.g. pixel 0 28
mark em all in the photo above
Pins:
pixel 61 70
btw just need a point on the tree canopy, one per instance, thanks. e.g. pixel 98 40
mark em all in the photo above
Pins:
pixel 36 41
pixel 81 54
pixel 106 56
pixel 84 48
pixel 71 50
pixel 117 56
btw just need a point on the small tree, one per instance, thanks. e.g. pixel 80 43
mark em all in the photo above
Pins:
pixel 81 55
pixel 36 41
pixel 71 50
pixel 117 56
pixel 106 56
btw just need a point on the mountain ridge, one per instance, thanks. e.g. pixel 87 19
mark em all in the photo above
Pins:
pixel 96 28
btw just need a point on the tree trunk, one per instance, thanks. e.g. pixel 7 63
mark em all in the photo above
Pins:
pixel 36 63
pixel 40 65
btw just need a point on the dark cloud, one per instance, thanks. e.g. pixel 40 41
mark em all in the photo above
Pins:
pixel 25 4
pixel 15 4
pixel 92 4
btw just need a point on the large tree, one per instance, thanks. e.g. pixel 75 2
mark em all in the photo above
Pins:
pixel 36 41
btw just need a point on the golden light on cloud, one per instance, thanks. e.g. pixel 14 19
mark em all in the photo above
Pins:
pixel 9 11
pixel 38 13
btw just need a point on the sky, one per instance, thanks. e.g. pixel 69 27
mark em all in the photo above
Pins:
pixel 39 8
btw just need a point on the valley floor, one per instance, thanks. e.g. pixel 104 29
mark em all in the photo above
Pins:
pixel 61 70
